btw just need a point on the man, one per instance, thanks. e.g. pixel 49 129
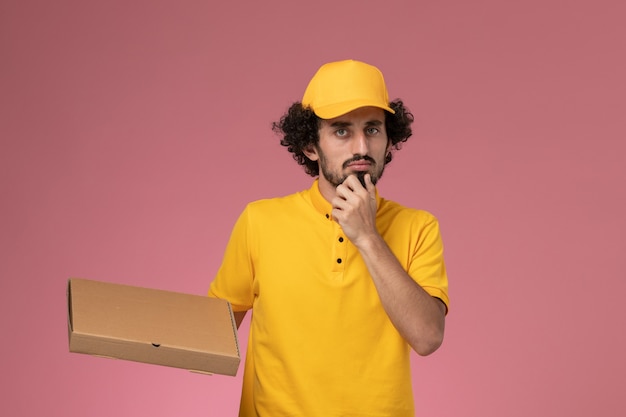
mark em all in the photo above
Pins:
pixel 341 282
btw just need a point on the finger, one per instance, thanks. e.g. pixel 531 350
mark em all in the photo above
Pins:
pixel 349 187
pixel 356 182
pixel 342 191
pixel 369 185
pixel 350 182
pixel 339 203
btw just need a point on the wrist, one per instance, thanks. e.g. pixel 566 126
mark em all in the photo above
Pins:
pixel 371 242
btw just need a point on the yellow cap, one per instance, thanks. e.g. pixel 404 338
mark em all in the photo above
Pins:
pixel 340 87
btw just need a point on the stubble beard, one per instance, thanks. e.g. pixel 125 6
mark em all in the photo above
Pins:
pixel 337 179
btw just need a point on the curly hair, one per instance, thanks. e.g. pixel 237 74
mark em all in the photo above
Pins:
pixel 299 128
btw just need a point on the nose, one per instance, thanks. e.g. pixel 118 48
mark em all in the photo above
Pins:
pixel 360 144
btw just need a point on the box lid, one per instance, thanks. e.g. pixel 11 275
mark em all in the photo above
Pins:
pixel 153 326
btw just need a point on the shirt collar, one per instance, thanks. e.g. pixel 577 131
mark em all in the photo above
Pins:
pixel 322 205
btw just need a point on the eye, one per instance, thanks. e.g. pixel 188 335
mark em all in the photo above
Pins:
pixel 372 131
pixel 341 132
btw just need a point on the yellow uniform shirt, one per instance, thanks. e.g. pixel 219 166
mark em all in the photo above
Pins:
pixel 320 342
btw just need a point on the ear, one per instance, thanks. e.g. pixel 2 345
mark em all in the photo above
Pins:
pixel 388 155
pixel 311 152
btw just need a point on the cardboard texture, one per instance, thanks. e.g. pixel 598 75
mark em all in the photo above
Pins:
pixel 152 326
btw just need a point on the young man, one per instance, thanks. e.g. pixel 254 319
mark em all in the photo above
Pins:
pixel 342 283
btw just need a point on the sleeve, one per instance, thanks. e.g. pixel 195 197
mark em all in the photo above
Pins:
pixel 427 266
pixel 234 281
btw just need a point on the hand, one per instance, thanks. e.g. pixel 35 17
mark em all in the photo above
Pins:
pixel 354 208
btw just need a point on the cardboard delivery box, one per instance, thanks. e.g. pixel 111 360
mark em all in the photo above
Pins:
pixel 152 326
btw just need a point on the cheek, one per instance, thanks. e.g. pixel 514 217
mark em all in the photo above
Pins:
pixel 382 148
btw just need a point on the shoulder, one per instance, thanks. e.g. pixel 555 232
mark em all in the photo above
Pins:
pixel 276 206
pixel 391 211
pixel 268 203
pixel 401 225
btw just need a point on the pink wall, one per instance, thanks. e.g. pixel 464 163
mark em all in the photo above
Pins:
pixel 133 133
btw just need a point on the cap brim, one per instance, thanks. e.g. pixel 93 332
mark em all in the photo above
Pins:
pixel 339 109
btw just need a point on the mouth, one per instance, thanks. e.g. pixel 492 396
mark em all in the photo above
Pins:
pixel 359 164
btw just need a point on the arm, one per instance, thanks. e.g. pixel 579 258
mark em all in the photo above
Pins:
pixel 418 317
pixel 233 281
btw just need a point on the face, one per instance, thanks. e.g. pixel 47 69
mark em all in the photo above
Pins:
pixel 354 143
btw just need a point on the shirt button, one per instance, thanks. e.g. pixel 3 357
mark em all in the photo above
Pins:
pixel 340 239
pixel 327 216
pixel 338 260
